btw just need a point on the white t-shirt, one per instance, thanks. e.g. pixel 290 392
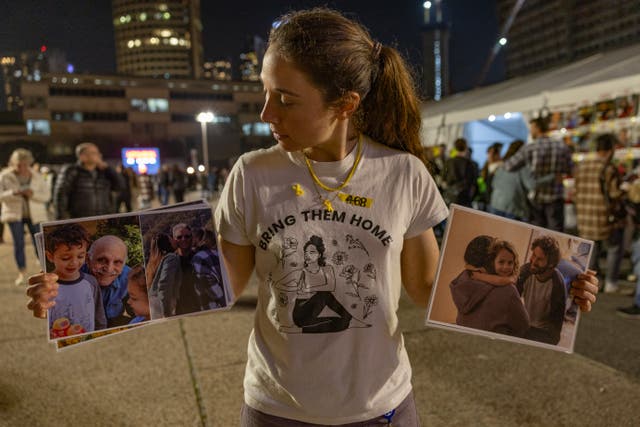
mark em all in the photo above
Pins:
pixel 326 347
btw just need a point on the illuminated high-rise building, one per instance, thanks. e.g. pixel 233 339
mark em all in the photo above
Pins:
pixel 158 38
pixel 251 59
pixel 548 33
pixel 217 70
pixel 27 66
pixel 435 45
pixel 249 67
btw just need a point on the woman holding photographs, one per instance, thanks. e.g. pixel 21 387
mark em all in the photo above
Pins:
pixel 24 194
pixel 343 110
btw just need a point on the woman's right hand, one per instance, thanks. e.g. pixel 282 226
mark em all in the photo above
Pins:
pixel 43 288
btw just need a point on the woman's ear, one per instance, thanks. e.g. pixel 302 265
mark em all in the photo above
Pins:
pixel 348 105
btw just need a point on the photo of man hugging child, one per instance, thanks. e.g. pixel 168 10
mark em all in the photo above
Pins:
pixel 485 293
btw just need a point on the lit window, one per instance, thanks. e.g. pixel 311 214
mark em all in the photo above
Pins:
pixel 38 127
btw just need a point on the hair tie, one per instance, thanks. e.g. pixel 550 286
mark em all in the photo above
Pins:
pixel 377 47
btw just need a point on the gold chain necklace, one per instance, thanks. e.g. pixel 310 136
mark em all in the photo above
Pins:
pixel 316 180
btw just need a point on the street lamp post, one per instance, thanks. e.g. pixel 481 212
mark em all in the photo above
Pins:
pixel 204 118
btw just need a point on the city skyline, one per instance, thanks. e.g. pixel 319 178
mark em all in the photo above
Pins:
pixel 84 31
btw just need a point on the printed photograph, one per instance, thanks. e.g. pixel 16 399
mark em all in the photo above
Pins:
pixel 183 274
pixel 67 343
pixel 507 279
pixel 98 262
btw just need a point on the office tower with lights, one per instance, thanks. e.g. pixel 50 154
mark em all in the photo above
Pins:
pixel 250 60
pixel 548 33
pixel 435 45
pixel 27 66
pixel 158 38
pixel 217 70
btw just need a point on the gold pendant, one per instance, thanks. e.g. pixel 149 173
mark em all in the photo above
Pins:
pixel 327 204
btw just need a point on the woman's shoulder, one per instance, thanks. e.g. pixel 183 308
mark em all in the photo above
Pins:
pixel 261 156
pixel 6 173
pixel 380 151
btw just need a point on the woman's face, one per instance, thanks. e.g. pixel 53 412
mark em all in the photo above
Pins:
pixel 138 301
pixel 311 254
pixel 294 108
pixel 504 263
pixel 23 168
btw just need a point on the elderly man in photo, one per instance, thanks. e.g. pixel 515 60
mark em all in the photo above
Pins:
pixel 542 288
pixel 106 261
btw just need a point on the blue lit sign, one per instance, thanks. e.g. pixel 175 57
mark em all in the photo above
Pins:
pixel 142 159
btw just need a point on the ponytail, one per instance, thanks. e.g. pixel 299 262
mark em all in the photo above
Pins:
pixel 390 113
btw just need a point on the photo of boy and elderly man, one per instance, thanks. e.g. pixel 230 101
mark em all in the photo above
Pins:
pixel 112 275
pixel 508 278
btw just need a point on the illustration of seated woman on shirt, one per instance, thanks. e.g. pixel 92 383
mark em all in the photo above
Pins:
pixel 312 287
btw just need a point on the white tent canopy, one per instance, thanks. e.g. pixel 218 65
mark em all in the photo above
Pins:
pixel 599 77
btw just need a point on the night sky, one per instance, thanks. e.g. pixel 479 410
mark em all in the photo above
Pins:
pixel 83 29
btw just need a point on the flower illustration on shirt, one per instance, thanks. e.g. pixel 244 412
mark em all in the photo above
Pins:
pixel 369 301
pixel 339 258
pixel 370 271
pixel 352 277
pixel 289 247
pixel 355 243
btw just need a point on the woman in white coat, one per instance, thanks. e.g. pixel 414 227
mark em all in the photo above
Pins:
pixel 23 194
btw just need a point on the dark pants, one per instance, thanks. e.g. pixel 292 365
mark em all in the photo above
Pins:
pixel 548 215
pixel 614 250
pixel 306 312
pixel 405 415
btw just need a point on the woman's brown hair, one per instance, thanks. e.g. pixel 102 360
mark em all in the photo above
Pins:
pixel 339 56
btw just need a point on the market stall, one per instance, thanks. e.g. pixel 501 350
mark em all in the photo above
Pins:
pixel 592 95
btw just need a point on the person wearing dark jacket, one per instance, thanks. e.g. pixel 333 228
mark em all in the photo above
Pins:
pixel 483 305
pixel 460 176
pixel 84 188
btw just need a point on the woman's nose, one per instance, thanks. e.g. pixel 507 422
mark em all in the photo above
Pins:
pixel 268 114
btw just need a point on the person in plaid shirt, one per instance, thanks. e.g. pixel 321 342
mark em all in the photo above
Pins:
pixel 593 178
pixel 206 266
pixel 544 157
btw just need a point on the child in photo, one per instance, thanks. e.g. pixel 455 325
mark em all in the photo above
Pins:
pixel 502 265
pixel 78 307
pixel 138 295
pixel 489 301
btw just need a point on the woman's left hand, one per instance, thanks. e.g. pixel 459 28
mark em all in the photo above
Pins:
pixel 584 289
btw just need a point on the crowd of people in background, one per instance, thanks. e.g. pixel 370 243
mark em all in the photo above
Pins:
pixel 527 183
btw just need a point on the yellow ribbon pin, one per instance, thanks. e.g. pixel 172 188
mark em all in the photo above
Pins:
pixel 297 188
